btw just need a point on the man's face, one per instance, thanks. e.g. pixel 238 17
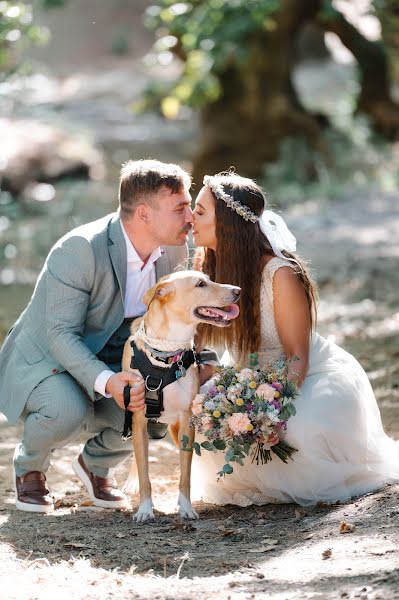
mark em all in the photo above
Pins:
pixel 171 217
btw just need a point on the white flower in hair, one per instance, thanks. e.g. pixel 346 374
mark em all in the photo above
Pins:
pixel 217 189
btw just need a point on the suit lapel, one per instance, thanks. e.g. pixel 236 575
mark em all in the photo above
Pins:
pixel 117 253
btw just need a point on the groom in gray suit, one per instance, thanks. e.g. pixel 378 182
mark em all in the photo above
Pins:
pixel 60 363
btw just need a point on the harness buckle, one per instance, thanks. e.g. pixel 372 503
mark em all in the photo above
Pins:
pixel 152 389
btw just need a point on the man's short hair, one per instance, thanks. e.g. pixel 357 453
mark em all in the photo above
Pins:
pixel 139 179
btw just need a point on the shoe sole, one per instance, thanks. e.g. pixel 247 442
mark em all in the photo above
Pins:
pixel 84 478
pixel 40 508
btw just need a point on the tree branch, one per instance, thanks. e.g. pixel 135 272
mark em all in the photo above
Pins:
pixel 375 96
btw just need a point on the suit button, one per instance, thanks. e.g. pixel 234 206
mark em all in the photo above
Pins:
pixel 54 371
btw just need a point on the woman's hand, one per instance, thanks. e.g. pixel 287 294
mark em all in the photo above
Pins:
pixel 206 372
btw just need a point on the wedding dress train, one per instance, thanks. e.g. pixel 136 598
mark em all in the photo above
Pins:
pixel 343 450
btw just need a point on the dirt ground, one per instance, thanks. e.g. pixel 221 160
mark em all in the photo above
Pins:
pixel 276 552
pixel 279 552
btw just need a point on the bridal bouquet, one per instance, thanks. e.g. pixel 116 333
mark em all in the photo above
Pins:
pixel 245 411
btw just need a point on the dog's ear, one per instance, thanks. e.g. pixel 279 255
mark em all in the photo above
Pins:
pixel 163 291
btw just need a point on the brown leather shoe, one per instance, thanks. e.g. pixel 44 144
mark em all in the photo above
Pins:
pixel 31 493
pixel 103 491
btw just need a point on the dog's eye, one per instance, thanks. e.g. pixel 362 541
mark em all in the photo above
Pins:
pixel 201 283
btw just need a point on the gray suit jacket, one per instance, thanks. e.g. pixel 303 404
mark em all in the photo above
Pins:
pixel 76 306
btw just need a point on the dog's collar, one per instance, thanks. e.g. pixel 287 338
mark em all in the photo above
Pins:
pixel 167 357
pixel 157 345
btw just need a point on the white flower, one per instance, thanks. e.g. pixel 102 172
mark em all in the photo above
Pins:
pixel 234 391
pixel 210 405
pixel 244 375
pixel 272 414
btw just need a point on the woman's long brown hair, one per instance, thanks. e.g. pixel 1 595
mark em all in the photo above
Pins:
pixel 241 253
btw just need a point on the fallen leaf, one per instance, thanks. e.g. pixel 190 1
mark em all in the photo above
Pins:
pixel 346 527
pixel 62 502
pixel 183 526
pixel 327 553
pixel 300 513
pixel 120 535
pixel 86 503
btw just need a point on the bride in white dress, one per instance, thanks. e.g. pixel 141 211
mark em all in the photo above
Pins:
pixel 343 450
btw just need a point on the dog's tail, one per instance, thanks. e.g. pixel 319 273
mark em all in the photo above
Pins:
pixel 174 432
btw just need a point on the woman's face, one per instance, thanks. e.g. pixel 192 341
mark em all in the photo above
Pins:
pixel 204 228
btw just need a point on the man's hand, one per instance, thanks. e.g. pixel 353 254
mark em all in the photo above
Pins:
pixel 206 372
pixel 116 384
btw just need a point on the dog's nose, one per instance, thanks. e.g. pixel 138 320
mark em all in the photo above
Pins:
pixel 237 292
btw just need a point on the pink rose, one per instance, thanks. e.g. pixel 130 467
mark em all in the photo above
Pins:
pixel 266 392
pixel 238 423
pixel 197 404
pixel 206 423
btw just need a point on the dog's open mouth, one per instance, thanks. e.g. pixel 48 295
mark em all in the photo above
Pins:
pixel 217 316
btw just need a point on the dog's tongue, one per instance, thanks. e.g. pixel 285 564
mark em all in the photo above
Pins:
pixel 228 312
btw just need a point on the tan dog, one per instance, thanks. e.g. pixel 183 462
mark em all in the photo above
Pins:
pixel 175 306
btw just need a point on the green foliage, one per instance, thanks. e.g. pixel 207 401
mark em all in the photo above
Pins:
pixel 210 37
pixel 18 30
pixel 388 13
pixel 358 160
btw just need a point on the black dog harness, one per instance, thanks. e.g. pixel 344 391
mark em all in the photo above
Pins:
pixel 156 378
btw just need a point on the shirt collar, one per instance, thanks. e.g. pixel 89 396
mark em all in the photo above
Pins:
pixel 133 257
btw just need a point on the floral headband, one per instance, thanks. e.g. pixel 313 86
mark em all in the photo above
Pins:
pixel 271 224
pixel 218 191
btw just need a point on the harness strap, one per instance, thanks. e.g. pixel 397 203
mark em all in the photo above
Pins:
pixel 156 379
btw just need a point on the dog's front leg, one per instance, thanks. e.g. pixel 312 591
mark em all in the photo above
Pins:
pixel 185 509
pixel 140 445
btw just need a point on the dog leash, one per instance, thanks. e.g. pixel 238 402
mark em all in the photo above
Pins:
pixel 127 426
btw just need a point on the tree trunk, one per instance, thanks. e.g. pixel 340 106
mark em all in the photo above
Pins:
pixel 258 106
pixel 375 96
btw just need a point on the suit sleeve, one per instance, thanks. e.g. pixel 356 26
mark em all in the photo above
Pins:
pixel 70 277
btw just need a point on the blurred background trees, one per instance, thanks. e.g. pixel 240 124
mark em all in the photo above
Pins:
pixel 18 30
pixel 239 58
pixel 237 62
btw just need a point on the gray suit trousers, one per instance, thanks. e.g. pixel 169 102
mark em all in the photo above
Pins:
pixel 59 411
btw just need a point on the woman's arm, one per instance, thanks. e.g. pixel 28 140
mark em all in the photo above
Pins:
pixel 292 318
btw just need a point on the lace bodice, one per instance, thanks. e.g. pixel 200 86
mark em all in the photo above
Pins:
pixel 271 348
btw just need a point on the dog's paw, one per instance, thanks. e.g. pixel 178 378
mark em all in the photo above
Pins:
pixel 188 514
pixel 144 513
pixel 185 510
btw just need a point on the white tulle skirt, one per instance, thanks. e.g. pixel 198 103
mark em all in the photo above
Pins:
pixel 343 450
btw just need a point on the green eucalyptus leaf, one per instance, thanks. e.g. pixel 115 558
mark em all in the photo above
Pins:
pixel 219 444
